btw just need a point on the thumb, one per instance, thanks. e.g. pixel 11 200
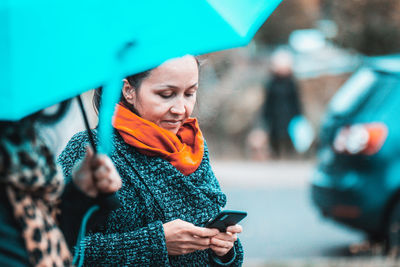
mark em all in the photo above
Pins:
pixel 87 161
pixel 204 232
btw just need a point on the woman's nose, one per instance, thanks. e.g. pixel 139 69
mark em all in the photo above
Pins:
pixel 178 107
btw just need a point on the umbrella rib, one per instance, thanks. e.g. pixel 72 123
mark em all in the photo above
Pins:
pixel 85 119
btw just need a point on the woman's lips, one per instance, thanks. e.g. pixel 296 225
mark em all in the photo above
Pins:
pixel 172 123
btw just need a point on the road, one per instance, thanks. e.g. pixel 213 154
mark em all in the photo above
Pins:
pixel 282 223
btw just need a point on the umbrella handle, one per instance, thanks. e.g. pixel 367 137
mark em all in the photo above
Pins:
pixel 85 119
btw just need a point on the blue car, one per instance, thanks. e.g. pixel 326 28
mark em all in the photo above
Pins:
pixel 357 178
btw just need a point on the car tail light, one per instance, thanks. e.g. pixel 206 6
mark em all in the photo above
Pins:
pixel 346 211
pixel 364 139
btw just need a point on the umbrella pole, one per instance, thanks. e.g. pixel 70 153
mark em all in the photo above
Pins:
pixel 85 119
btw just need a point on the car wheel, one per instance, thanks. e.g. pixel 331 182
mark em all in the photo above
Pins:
pixel 393 231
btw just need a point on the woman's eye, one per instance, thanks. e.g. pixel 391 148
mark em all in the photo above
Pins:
pixel 165 95
pixel 189 94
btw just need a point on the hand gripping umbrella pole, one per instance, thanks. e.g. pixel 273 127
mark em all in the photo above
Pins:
pixel 108 201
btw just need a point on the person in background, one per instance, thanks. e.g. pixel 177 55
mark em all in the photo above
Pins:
pixel 281 104
pixel 32 199
pixel 169 190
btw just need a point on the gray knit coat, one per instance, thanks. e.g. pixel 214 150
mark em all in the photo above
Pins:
pixel 153 192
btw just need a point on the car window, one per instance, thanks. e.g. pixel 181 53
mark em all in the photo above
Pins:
pixel 353 92
pixel 384 90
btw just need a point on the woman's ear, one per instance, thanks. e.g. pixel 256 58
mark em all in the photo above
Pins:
pixel 128 91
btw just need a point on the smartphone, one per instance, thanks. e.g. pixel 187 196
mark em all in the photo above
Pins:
pixel 226 218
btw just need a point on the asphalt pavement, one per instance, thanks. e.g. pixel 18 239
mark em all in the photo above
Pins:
pixel 282 223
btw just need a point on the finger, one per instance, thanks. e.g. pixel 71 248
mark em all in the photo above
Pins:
pixel 201 241
pixel 226 237
pixel 103 185
pixel 114 178
pixel 221 243
pixel 88 157
pixel 105 163
pixel 115 185
pixel 110 188
pixel 234 236
pixel 197 243
pixel 235 229
pixel 103 160
pixel 187 251
pixel 101 173
pixel 203 232
pixel 107 181
pixel 97 161
pixel 89 153
pixel 220 251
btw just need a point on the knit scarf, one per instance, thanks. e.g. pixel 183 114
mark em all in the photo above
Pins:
pixel 33 186
pixel 183 150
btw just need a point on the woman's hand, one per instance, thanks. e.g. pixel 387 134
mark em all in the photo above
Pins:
pixel 96 174
pixel 222 243
pixel 183 237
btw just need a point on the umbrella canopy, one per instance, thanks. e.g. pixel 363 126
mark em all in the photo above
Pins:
pixel 53 50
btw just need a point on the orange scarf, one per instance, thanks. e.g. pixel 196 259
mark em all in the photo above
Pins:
pixel 184 150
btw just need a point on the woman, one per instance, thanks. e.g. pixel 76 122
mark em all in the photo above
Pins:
pixel 30 188
pixel 169 190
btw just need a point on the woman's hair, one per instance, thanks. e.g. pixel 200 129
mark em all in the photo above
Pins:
pixel 135 81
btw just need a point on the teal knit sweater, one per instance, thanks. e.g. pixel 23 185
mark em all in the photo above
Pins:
pixel 133 235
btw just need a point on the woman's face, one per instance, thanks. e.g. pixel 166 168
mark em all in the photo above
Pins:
pixel 168 95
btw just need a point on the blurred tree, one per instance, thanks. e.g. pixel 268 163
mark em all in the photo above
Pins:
pixel 371 27
pixel 290 15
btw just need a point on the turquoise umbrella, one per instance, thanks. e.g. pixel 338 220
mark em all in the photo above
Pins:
pixel 53 50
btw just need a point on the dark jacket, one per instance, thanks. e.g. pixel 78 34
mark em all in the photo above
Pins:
pixel 12 245
pixel 281 104
pixel 153 192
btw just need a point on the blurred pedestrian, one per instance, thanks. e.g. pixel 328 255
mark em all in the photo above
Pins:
pixel 31 195
pixel 281 104
pixel 169 190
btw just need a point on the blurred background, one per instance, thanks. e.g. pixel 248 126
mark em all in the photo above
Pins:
pixel 278 117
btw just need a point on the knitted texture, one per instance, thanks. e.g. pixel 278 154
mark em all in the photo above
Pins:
pixel 133 234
